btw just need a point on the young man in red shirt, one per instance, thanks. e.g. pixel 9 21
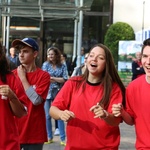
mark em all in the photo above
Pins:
pixel 32 127
pixel 137 111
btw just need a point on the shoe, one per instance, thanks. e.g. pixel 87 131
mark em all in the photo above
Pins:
pixel 63 143
pixel 49 141
pixel 56 133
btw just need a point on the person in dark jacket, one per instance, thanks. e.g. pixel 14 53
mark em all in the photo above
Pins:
pixel 137 69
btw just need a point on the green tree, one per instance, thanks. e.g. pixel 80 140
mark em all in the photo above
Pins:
pixel 115 33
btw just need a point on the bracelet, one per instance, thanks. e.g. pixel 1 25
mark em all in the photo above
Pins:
pixel 106 114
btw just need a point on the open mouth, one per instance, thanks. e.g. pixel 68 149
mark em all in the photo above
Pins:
pixel 93 65
pixel 147 67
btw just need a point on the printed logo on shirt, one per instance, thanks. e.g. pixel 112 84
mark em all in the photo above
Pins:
pixel 34 86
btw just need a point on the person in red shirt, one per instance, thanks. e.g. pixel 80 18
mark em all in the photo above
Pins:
pixel 11 95
pixel 85 103
pixel 35 81
pixel 137 111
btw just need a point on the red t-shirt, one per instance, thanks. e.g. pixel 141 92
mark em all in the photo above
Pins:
pixel 32 127
pixel 138 106
pixel 84 131
pixel 8 129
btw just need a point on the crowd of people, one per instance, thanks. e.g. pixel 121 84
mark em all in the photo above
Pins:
pixel 87 102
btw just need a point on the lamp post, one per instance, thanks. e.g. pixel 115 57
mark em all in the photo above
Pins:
pixel 143 20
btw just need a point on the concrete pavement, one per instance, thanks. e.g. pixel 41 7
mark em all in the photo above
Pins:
pixel 126 143
pixel 127 137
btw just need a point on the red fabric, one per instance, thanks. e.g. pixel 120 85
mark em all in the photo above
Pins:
pixel 8 129
pixel 138 106
pixel 139 63
pixel 85 132
pixel 32 127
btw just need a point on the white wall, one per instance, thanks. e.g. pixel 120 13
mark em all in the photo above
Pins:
pixel 131 12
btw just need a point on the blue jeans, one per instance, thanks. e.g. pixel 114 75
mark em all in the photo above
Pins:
pixel 61 125
pixel 48 118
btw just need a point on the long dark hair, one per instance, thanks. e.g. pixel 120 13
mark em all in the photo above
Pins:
pixel 4 65
pixel 109 76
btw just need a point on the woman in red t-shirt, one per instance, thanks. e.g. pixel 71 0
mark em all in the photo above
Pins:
pixel 10 105
pixel 85 103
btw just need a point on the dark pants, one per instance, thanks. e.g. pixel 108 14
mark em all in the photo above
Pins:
pixel 31 146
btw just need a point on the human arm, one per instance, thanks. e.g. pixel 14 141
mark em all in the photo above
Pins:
pixel 57 114
pixel 30 92
pixel 126 111
pixel 53 79
pixel 99 112
pixel 106 113
pixel 118 110
pixel 57 79
pixel 16 106
pixel 60 107
pixel 63 76
pixel 33 96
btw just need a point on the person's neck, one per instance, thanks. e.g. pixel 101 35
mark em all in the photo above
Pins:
pixel 30 68
pixel 83 68
pixel 94 79
pixel 12 56
pixel 53 64
pixel 63 61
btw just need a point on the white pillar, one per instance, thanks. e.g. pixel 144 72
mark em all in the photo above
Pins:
pixel 75 39
pixel 4 30
pixel 80 25
pixel 7 35
pixel 8 29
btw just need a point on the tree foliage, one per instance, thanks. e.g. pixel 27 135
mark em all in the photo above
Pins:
pixel 115 33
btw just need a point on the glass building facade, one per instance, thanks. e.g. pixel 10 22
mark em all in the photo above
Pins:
pixel 67 24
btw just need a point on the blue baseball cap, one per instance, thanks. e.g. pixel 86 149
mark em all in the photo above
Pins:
pixel 27 41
